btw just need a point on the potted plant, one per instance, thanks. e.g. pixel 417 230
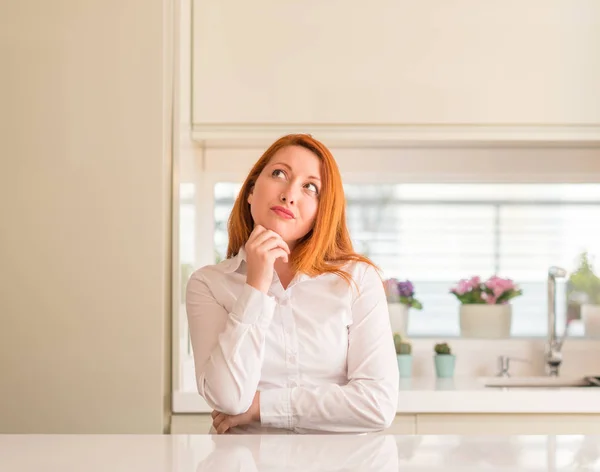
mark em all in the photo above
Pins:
pixel 485 311
pixel 583 288
pixel 404 355
pixel 400 297
pixel 444 360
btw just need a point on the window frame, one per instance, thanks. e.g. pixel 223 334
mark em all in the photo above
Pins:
pixel 508 163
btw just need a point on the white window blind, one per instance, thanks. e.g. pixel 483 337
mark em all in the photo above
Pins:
pixel 436 234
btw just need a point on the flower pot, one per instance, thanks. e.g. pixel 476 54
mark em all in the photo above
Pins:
pixel 404 364
pixel 485 321
pixel 590 314
pixel 444 365
pixel 399 317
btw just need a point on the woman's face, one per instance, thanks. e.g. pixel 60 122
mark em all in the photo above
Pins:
pixel 285 197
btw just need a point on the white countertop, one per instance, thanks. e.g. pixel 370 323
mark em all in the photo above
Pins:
pixel 231 453
pixel 461 395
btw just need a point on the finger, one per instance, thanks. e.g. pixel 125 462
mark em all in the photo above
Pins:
pixel 273 250
pixel 265 236
pixel 271 244
pixel 214 414
pixel 224 425
pixel 280 253
pixel 258 230
pixel 284 245
pixel 270 233
pixel 218 420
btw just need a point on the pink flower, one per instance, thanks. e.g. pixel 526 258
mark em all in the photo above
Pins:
pixel 391 287
pixel 499 285
pixel 489 299
pixel 463 287
pixel 495 290
pixel 475 282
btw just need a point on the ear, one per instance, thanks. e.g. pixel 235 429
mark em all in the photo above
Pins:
pixel 250 195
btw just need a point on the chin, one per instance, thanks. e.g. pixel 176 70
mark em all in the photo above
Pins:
pixel 280 229
pixel 272 225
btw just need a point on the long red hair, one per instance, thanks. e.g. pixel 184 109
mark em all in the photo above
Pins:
pixel 327 247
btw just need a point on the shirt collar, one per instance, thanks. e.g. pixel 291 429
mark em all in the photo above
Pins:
pixel 234 263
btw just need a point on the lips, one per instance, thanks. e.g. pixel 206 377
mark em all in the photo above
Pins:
pixel 283 212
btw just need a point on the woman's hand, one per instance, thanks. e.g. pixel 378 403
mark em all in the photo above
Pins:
pixel 222 422
pixel 262 249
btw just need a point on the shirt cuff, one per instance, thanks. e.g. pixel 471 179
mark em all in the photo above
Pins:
pixel 254 307
pixel 276 408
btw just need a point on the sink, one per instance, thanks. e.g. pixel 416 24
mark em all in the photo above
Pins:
pixel 541 381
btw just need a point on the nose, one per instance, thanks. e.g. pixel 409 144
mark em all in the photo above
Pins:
pixel 290 195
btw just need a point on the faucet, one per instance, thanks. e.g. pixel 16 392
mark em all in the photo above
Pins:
pixel 553 354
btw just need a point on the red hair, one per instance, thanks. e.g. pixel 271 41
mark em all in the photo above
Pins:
pixel 327 247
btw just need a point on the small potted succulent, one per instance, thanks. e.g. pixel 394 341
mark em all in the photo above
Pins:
pixel 400 297
pixel 485 311
pixel 583 289
pixel 403 355
pixel 444 360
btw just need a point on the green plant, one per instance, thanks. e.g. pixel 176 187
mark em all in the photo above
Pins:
pixel 442 349
pixel 403 347
pixel 584 284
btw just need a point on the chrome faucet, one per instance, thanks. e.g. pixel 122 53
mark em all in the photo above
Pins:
pixel 553 354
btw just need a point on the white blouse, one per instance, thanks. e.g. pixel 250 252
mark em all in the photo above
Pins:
pixel 320 353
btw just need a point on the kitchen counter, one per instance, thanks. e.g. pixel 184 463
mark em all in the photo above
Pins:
pixel 230 453
pixel 461 395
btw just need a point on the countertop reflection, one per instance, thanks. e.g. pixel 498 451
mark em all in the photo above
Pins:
pixel 376 452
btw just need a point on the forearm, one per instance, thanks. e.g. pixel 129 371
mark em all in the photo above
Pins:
pixel 359 406
pixel 228 377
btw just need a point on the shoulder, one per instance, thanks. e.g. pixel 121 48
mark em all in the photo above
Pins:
pixel 215 272
pixel 363 274
pixel 361 269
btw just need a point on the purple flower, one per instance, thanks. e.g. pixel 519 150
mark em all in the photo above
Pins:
pixel 401 292
pixel 406 289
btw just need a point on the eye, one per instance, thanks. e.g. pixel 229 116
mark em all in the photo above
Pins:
pixel 278 173
pixel 312 187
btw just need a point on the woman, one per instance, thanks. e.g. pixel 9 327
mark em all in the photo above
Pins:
pixel 291 332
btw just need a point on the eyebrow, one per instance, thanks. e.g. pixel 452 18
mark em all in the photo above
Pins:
pixel 287 165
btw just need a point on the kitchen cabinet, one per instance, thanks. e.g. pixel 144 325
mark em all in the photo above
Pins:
pixel 388 63
pixel 191 424
pixel 488 423
pixel 491 423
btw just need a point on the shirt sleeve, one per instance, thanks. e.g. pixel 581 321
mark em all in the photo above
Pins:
pixel 228 347
pixel 368 402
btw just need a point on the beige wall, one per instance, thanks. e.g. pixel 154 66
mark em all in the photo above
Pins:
pixel 85 207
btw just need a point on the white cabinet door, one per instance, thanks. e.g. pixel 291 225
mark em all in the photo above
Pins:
pixel 191 424
pixel 447 424
pixel 508 424
pixel 403 424
pixel 391 62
